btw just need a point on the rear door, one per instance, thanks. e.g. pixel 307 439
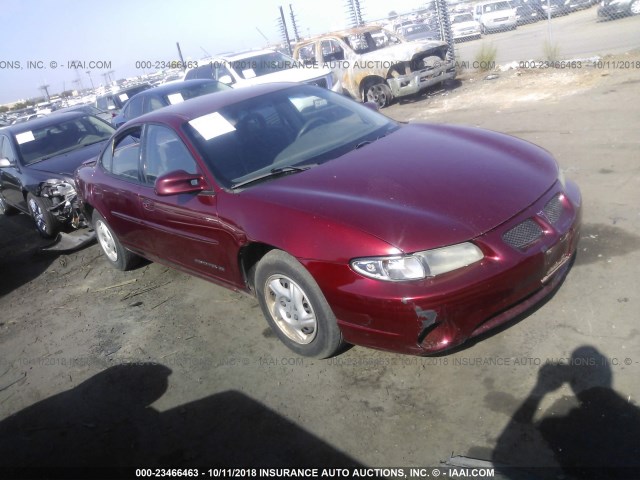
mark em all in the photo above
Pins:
pixel 117 191
pixel 10 177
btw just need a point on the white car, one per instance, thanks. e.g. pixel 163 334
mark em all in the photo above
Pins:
pixel 261 66
pixel 495 15
pixel 464 26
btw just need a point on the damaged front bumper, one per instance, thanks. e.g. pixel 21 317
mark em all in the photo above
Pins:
pixel 63 196
pixel 414 82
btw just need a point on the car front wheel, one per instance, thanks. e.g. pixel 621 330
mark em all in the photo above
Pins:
pixel 295 307
pixel 46 223
pixel 380 93
pixel 634 8
pixel 118 256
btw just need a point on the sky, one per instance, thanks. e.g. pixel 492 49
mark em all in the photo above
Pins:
pixel 42 37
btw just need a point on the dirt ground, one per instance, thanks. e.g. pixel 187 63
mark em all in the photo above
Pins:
pixel 154 367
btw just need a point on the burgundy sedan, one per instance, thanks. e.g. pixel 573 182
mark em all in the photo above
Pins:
pixel 347 226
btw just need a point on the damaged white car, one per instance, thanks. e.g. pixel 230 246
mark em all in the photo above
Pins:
pixel 37 161
pixel 374 65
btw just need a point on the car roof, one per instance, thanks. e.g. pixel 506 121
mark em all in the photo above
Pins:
pixel 125 90
pixel 205 104
pixel 344 33
pixel 231 57
pixel 173 87
pixel 44 122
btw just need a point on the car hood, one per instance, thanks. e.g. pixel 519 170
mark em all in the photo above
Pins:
pixel 463 25
pixel 420 187
pixel 403 52
pixel 66 163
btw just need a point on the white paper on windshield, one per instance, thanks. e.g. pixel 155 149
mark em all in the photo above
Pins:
pixel 212 125
pixel 123 97
pixel 248 73
pixel 25 137
pixel 175 98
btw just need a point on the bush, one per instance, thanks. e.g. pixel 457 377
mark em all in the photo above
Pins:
pixel 486 57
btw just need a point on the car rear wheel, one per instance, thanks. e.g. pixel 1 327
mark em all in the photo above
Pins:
pixel 295 307
pixel 46 223
pixel 118 256
pixel 5 208
pixel 379 93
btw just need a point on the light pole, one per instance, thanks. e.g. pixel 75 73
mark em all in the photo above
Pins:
pixel 91 79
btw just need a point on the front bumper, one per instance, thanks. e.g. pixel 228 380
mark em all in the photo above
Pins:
pixel 436 314
pixel 612 10
pixel 414 82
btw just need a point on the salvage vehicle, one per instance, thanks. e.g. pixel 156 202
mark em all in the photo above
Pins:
pixel 37 161
pixel 375 65
pixel 255 67
pixel 464 27
pixel 618 8
pixel 112 102
pixel 419 31
pixel 346 225
pixel 495 15
pixel 163 96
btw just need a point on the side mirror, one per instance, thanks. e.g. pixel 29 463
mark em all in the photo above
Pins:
pixel 226 79
pixel 372 106
pixel 179 181
pixel 4 163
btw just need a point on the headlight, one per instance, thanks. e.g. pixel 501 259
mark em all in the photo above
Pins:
pixel 419 265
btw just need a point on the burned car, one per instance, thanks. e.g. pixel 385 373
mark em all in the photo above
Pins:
pixel 375 65
pixel 37 161
pixel 347 226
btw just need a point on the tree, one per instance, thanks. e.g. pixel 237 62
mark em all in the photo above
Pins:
pixel 393 15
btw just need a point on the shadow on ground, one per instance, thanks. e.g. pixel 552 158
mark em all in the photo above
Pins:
pixel 593 434
pixel 107 421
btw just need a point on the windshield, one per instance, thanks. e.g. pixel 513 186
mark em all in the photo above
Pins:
pixel 494 7
pixel 59 138
pixel 467 17
pixel 264 64
pixel 416 29
pixel 297 127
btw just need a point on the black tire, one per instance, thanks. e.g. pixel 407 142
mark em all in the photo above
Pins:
pixel 47 224
pixel 320 337
pixel 5 208
pixel 118 256
pixel 379 93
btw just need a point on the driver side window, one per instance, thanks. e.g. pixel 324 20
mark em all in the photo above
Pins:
pixel 5 149
pixel 164 152
pixel 122 158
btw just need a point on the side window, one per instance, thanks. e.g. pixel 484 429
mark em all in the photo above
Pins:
pixel 164 152
pixel 154 103
pixel 332 51
pixel 122 158
pixel 220 71
pixel 135 107
pixel 307 54
pixel 6 151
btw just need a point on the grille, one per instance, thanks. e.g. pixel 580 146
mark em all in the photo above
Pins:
pixel 523 234
pixel 321 82
pixel 553 209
